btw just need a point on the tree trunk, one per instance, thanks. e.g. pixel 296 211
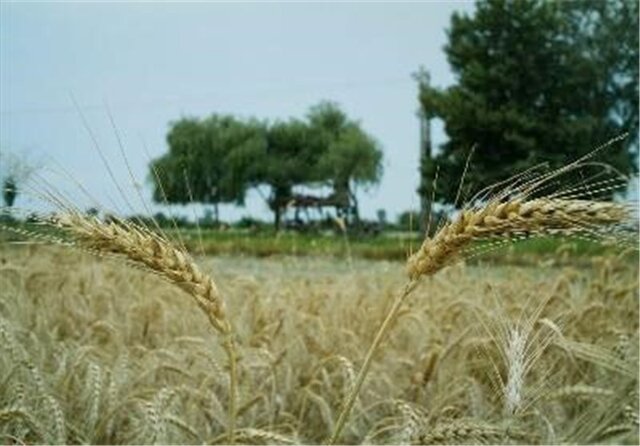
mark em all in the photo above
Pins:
pixel 354 208
pixel 355 214
pixel 276 220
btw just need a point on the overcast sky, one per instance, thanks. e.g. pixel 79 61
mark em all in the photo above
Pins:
pixel 153 63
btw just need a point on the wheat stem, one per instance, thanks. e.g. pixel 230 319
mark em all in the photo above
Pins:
pixel 366 365
pixel 230 349
pixel 496 219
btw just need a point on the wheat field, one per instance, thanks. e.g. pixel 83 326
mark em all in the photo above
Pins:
pixel 95 351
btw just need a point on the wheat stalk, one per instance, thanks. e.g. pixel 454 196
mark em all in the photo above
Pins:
pixel 146 248
pixel 499 218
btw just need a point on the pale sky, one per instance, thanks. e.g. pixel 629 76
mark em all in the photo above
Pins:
pixel 153 63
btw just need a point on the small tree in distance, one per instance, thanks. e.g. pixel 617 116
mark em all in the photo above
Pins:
pixel 9 191
pixel 15 170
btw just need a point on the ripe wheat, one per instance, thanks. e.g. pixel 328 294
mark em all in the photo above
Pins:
pixel 497 219
pixel 501 217
pixel 146 248
pixel 513 218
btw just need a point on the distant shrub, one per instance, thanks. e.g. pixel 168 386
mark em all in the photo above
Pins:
pixel 250 223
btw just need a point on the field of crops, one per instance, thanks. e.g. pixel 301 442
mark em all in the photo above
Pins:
pixel 96 351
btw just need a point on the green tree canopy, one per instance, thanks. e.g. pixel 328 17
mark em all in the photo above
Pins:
pixel 217 159
pixel 536 81
pixel 209 161
pixel 353 158
pixel 288 163
pixel 348 157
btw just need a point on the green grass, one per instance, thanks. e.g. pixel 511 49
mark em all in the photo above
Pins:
pixel 390 245
pixel 387 246
pixel 267 243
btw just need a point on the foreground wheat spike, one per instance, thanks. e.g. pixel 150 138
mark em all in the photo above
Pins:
pixel 513 218
pixel 146 248
pixel 501 219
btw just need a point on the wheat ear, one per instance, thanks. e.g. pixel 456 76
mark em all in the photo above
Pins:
pixel 499 219
pixel 513 218
pixel 144 247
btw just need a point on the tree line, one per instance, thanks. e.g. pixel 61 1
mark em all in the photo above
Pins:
pixel 535 81
pixel 218 159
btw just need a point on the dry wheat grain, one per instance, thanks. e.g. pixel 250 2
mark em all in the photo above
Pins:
pixel 146 248
pixel 462 432
pixel 513 218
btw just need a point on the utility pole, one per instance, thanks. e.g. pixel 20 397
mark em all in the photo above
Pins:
pixel 424 118
pixel 425 158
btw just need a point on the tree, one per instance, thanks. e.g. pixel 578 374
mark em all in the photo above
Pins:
pixel 606 33
pixel 9 191
pixel 536 81
pixel 326 149
pixel 352 159
pixel 15 170
pixel 217 159
pixel 348 157
pixel 209 161
pixel 289 161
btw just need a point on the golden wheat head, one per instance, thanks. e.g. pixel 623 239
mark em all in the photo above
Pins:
pixel 143 247
pixel 517 217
